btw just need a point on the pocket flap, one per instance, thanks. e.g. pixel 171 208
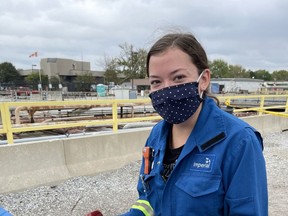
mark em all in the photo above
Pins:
pixel 198 185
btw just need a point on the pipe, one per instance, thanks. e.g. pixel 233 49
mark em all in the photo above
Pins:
pixel 31 110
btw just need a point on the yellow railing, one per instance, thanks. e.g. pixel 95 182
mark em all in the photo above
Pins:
pixel 10 128
pixel 257 99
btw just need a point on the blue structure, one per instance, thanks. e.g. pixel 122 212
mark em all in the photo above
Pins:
pixel 101 90
pixel 214 88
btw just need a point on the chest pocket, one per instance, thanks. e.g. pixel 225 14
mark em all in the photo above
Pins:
pixel 199 184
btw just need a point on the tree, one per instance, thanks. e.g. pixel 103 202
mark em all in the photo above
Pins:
pixel 33 80
pixel 54 81
pixel 237 71
pixel 111 71
pixel 281 75
pixel 132 63
pixel 251 74
pixel 9 76
pixel 141 63
pixel 219 68
pixel 262 74
pixel 84 81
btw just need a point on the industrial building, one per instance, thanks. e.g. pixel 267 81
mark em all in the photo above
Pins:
pixel 66 70
pixel 235 85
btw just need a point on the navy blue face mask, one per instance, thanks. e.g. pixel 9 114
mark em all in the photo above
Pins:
pixel 175 104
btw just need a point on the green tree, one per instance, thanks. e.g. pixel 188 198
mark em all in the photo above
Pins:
pixel 281 75
pixel 140 65
pixel 84 81
pixel 54 81
pixel 237 71
pixel 33 80
pixel 251 74
pixel 111 71
pixel 9 75
pixel 132 63
pixel 263 74
pixel 219 68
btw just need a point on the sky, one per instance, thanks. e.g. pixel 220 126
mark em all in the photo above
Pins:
pixel 250 33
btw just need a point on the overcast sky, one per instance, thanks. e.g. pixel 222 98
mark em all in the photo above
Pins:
pixel 250 33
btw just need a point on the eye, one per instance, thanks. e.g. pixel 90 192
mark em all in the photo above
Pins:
pixel 154 82
pixel 179 78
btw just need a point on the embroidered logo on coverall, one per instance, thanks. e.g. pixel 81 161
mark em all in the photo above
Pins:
pixel 203 162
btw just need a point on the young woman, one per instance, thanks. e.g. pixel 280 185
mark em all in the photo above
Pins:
pixel 199 160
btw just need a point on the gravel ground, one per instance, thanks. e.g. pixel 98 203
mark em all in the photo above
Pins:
pixel 114 192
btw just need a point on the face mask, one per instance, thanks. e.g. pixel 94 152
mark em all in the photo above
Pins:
pixel 175 104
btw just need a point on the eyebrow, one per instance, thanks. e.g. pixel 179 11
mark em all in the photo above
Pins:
pixel 153 76
pixel 171 73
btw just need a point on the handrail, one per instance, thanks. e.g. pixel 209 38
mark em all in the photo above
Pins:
pixel 262 108
pixel 9 129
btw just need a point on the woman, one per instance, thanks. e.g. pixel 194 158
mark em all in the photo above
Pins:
pixel 199 160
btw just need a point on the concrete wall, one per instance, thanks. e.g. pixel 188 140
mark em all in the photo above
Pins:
pixel 28 165
pixel 267 123
pixel 31 164
pixel 63 67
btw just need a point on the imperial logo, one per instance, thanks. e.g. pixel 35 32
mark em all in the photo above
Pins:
pixel 203 162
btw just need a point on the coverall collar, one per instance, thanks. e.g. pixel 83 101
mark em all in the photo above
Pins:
pixel 208 131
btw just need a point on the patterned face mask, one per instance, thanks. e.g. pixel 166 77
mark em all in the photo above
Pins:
pixel 175 104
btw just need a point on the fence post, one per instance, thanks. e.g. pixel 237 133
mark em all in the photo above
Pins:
pixel 6 122
pixel 286 108
pixel 227 101
pixel 261 105
pixel 115 116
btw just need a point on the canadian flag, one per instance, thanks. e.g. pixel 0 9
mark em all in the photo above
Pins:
pixel 35 54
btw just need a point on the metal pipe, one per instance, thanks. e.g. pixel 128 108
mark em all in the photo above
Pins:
pixel 31 110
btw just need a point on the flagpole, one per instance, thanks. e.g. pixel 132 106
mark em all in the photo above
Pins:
pixel 35 54
pixel 40 78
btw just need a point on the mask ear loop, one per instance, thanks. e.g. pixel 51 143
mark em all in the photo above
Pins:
pixel 201 93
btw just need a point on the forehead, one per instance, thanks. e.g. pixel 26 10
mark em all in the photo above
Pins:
pixel 170 60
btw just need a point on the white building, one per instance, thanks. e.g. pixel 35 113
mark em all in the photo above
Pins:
pixel 235 85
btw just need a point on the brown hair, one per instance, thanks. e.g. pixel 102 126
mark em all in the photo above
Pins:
pixel 185 42
pixel 188 44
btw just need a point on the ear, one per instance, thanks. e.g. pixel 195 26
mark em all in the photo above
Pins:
pixel 205 80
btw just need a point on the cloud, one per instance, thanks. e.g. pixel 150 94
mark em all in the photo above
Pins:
pixel 249 33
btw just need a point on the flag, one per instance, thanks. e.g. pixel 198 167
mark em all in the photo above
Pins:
pixel 35 54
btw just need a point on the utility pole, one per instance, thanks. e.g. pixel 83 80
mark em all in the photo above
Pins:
pixel 133 66
pixel 40 80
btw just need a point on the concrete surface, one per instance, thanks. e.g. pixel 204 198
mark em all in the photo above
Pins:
pixel 38 163
pixel 113 192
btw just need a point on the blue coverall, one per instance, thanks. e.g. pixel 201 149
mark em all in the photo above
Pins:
pixel 220 171
pixel 3 212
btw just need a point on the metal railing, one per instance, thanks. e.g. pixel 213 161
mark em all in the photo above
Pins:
pixel 258 103
pixel 9 128
pixel 262 104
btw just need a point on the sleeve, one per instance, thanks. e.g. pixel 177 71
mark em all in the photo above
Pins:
pixel 142 206
pixel 3 212
pixel 244 176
